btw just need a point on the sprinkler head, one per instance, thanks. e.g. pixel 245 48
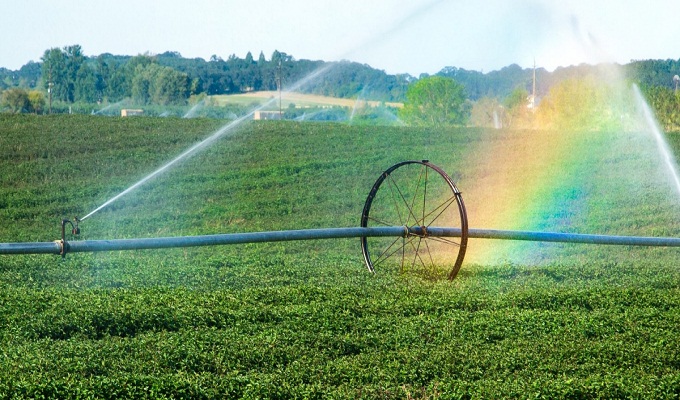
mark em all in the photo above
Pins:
pixel 76 229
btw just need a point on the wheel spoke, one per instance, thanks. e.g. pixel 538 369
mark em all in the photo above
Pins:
pixel 392 185
pixel 381 257
pixel 409 208
pixel 412 197
pixel 439 239
pixel 424 195
pixel 415 194
pixel 429 253
pixel 446 204
pixel 385 255
pixel 381 222
pixel 416 254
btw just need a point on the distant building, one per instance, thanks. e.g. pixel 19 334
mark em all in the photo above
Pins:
pixel 532 97
pixel 531 102
pixel 258 115
pixel 130 113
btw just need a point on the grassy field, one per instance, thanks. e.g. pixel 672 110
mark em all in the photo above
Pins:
pixel 297 99
pixel 305 319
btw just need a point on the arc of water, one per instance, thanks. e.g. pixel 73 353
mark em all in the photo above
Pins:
pixel 665 151
pixel 228 128
pixel 420 10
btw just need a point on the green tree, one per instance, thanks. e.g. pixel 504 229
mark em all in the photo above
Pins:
pixel 517 98
pixel 55 74
pixel 435 101
pixel 587 104
pixel 16 99
pixel 85 88
pixel 74 61
pixel 36 101
pixel 517 112
pixel 60 71
pixel 156 84
pixel 487 112
pixel 141 82
pixel 666 105
pixel 169 86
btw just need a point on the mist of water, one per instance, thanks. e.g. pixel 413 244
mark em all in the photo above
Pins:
pixel 356 103
pixel 193 111
pixel 496 120
pixel 109 107
pixel 226 130
pixel 193 149
pixel 653 126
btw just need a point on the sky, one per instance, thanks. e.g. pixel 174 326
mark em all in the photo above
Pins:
pixel 397 36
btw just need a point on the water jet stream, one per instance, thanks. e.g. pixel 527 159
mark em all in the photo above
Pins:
pixel 226 129
pixel 658 136
pixel 194 110
pixel 233 125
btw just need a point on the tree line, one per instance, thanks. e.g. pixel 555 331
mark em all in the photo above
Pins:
pixel 68 76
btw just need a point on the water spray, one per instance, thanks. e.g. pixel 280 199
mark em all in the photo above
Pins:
pixel 413 218
pixel 227 129
pixel 664 150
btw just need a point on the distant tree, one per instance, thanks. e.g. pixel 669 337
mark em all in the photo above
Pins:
pixel 74 61
pixel 157 84
pixel 434 101
pixel 85 88
pixel 16 99
pixel 517 113
pixel 60 71
pixel 55 74
pixel 517 98
pixel 6 81
pixel 585 104
pixel 653 73
pixel 36 101
pixel 666 105
pixel 170 87
pixel 487 112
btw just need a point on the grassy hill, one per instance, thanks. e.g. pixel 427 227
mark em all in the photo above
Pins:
pixel 305 319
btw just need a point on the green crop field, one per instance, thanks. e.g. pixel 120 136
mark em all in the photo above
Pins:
pixel 294 98
pixel 306 319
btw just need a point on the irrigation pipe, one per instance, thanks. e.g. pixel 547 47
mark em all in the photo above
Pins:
pixel 63 247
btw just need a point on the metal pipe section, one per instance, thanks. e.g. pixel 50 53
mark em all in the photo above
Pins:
pixel 59 247
pixel 31 248
pixel 534 236
pixel 233 238
pixel 573 238
pixel 192 241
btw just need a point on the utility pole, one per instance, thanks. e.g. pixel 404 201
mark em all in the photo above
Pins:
pixel 49 88
pixel 676 79
pixel 533 89
pixel 279 84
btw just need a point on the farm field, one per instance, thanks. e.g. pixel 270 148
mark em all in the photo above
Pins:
pixel 306 319
pixel 297 99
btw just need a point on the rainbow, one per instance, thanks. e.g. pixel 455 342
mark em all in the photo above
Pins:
pixel 518 184
pixel 607 182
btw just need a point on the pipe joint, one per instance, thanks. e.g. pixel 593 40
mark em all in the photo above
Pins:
pixel 75 230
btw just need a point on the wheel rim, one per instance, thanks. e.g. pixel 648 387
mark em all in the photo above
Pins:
pixel 417 195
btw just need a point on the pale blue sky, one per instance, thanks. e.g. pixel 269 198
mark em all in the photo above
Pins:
pixel 411 36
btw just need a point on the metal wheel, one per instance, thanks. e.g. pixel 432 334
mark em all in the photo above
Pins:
pixel 423 199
